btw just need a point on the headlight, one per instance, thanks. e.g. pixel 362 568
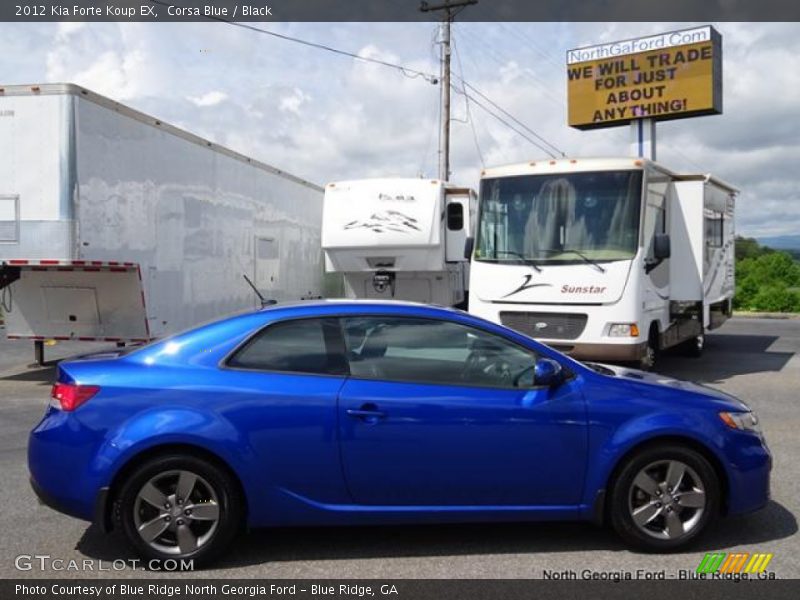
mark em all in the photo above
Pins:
pixel 744 421
pixel 623 330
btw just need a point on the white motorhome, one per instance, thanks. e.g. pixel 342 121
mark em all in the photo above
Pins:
pixel 398 238
pixel 612 259
pixel 115 226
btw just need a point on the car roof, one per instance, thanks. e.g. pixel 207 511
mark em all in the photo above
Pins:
pixel 347 305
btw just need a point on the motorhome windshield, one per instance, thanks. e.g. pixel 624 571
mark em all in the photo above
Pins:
pixel 560 218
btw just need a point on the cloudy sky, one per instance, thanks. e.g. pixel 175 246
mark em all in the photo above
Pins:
pixel 326 117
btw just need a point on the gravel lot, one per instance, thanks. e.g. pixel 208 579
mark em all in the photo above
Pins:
pixel 755 359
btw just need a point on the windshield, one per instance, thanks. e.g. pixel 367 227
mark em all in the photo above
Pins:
pixel 560 218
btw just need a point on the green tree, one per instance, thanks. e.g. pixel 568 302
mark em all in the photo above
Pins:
pixel 776 298
pixel 766 280
pixel 749 248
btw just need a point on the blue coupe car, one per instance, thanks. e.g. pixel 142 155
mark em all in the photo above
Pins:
pixel 349 413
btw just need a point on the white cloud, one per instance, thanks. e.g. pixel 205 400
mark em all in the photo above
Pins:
pixel 66 28
pixel 112 59
pixel 293 101
pixel 211 98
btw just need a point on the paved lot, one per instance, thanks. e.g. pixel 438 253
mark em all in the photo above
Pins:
pixel 756 359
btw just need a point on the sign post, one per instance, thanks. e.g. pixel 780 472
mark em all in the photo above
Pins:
pixel 643 138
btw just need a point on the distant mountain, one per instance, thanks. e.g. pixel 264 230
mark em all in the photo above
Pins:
pixel 781 242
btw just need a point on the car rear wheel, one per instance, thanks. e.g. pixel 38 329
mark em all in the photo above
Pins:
pixel 663 498
pixel 179 507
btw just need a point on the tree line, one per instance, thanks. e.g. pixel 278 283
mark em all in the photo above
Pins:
pixel 766 279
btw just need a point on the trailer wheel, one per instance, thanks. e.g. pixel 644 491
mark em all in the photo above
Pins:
pixel 693 347
pixel 648 361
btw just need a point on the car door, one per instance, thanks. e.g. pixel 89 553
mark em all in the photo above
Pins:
pixel 283 385
pixel 439 413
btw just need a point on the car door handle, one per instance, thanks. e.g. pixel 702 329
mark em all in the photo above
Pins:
pixel 366 413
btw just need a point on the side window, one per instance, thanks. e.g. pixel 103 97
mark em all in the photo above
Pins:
pixel 714 233
pixel 300 346
pixel 432 351
pixel 455 216
pixel 655 215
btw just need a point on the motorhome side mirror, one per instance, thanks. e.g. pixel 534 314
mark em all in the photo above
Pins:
pixel 661 246
pixel 547 372
pixel 469 245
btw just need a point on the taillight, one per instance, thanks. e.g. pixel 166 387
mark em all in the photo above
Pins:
pixel 69 396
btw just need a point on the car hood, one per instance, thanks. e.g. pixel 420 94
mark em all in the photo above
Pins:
pixel 696 390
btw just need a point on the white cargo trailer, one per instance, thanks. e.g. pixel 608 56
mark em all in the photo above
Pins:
pixel 607 258
pixel 399 238
pixel 116 226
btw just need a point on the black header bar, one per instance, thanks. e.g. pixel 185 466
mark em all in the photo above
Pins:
pixel 397 10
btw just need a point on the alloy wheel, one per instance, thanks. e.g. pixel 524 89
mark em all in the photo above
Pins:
pixel 667 499
pixel 176 512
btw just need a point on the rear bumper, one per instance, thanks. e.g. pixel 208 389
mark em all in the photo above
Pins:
pixel 60 456
pixel 101 516
pixel 57 504
pixel 610 352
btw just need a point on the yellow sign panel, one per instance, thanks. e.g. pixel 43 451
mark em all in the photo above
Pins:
pixel 664 82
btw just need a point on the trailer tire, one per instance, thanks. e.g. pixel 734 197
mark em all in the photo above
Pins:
pixel 693 347
pixel 648 360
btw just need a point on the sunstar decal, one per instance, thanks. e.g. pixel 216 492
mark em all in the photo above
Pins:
pixel 734 562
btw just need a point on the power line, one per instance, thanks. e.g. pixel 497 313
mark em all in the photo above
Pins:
pixel 470 120
pixel 505 122
pixel 534 45
pixel 494 54
pixel 407 71
pixel 552 147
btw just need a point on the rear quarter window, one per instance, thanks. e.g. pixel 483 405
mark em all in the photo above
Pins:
pixel 299 346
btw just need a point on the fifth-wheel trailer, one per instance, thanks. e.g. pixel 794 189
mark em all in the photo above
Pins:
pixel 613 258
pixel 115 226
pixel 399 238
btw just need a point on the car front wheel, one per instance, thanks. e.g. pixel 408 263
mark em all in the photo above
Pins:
pixel 663 498
pixel 179 507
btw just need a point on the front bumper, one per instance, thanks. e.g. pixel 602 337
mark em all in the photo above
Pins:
pixel 588 342
pixel 750 463
pixel 608 352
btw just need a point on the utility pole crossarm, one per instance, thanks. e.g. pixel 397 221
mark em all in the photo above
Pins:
pixel 444 81
pixel 425 7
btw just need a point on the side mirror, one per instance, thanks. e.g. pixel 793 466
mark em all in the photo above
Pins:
pixel 547 372
pixel 469 245
pixel 661 246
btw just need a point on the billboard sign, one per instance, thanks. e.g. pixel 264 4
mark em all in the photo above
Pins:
pixel 667 76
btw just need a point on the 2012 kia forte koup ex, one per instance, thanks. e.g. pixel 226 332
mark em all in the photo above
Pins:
pixel 347 413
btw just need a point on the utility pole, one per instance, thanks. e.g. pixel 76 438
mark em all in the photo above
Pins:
pixel 450 12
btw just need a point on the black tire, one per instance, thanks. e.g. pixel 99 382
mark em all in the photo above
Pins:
pixel 624 493
pixel 213 486
pixel 648 361
pixel 693 347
